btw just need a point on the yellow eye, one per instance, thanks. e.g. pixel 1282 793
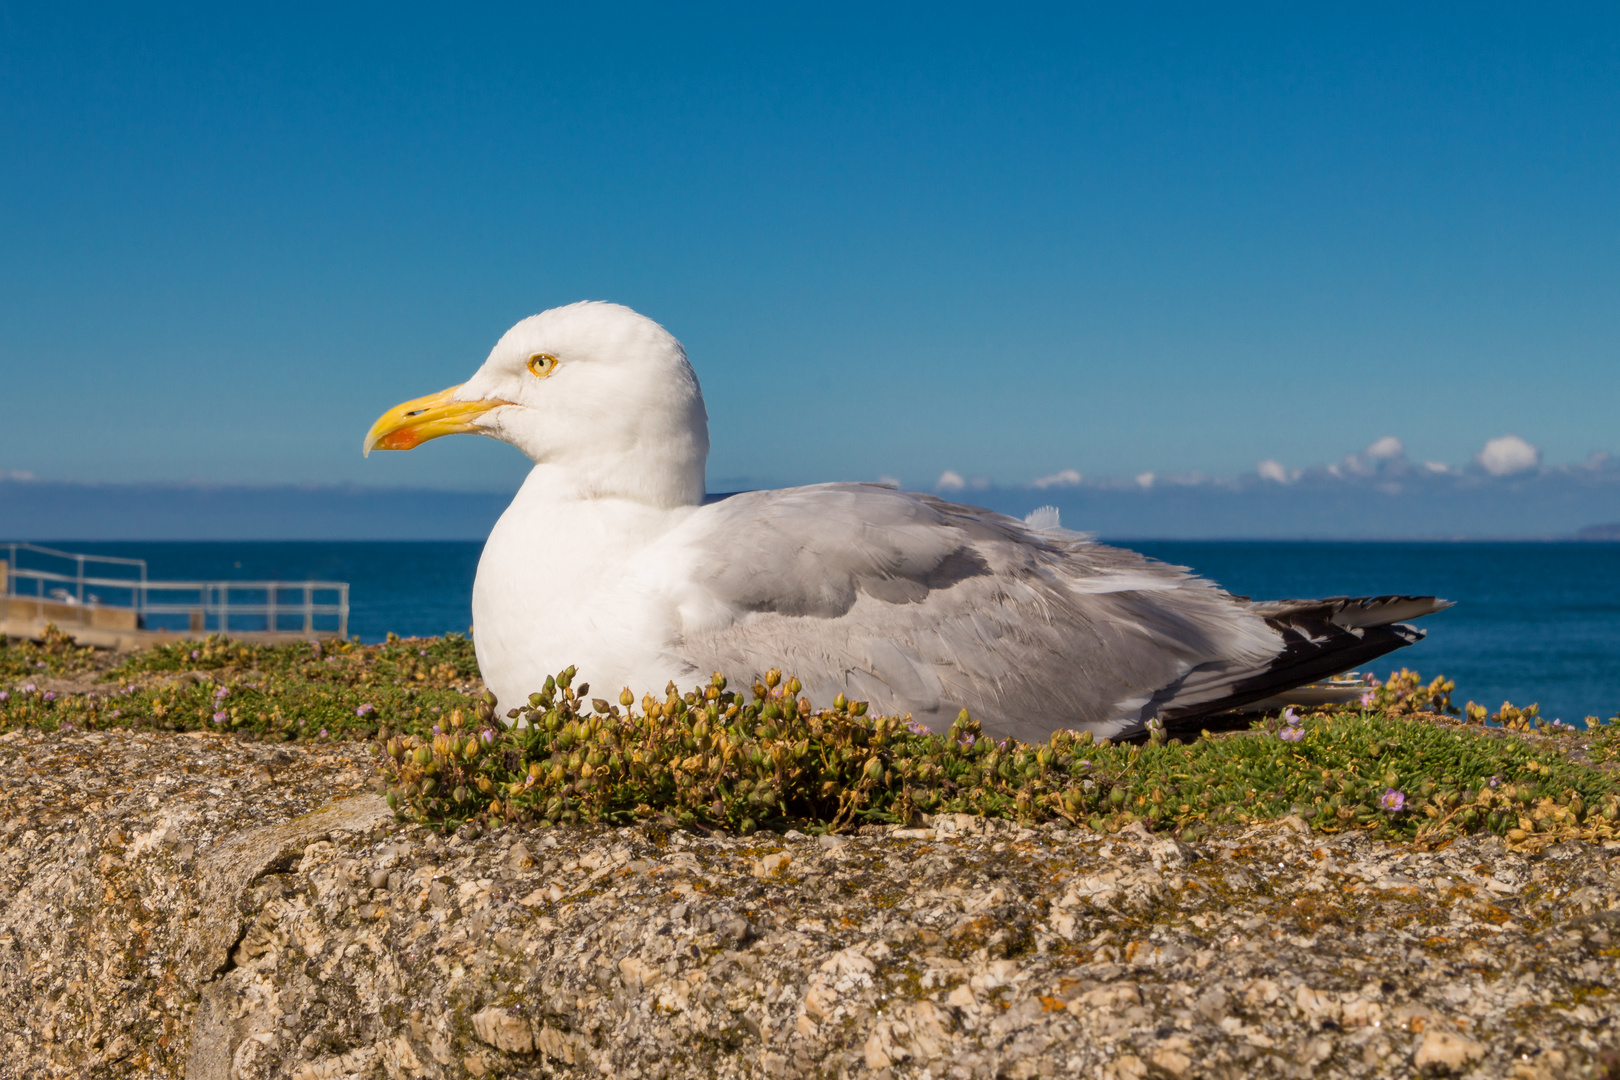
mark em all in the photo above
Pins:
pixel 542 364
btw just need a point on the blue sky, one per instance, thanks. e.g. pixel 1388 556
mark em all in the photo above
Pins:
pixel 996 240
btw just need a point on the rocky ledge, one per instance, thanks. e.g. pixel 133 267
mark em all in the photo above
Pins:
pixel 208 907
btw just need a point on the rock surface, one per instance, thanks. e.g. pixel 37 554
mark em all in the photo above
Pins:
pixel 207 907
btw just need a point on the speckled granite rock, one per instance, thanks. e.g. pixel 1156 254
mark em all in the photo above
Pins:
pixel 205 907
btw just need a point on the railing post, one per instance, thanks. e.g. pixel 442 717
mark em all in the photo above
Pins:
pixel 270 615
pixel 309 610
pixel 224 608
pixel 343 611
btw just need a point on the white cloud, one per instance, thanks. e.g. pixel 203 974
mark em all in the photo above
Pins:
pixel 1272 470
pixel 1387 447
pixel 16 474
pixel 1437 466
pixel 892 481
pixel 950 480
pixel 1508 455
pixel 1065 478
pixel 1145 479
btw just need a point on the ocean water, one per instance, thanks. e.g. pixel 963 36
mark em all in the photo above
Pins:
pixel 1534 622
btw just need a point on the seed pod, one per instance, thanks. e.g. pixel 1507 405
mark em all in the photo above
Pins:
pixel 874 769
pixel 422 756
pixel 626 698
pixel 460 794
pixel 794 685
pixel 485 785
pixel 534 701
pixel 773 676
pixel 1117 797
pixel 470 751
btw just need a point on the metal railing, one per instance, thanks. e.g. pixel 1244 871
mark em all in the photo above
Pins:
pixel 206 606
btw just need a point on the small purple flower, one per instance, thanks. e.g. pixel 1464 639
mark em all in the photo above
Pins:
pixel 5 695
pixel 421 652
pixel 66 726
pixel 195 654
pixel 917 727
pixel 1392 800
pixel 28 688
pixel 365 710
pixel 1495 781
pixel 221 716
pixel 966 740
pixel 488 736
pixel 1291 734
pixel 323 733
pixel 222 693
pixel 50 695
pixel 115 714
pixel 1292 717
pixel 1366 700
pixel 436 730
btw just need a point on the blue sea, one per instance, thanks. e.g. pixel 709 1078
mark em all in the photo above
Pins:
pixel 1534 622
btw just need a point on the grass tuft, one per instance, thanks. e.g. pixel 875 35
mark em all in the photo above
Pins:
pixel 1395 764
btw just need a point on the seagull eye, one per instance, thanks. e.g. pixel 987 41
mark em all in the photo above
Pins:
pixel 542 364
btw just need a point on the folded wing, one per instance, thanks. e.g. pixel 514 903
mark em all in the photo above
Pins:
pixel 924 606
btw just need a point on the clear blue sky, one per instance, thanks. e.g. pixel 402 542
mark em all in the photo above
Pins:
pixel 1000 240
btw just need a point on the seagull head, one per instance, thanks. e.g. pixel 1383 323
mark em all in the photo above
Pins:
pixel 601 396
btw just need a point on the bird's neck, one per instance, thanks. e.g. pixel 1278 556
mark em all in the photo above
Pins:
pixel 665 484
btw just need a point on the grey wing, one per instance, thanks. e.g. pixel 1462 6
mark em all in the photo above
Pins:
pixel 924 606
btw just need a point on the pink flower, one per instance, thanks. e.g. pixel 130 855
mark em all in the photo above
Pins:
pixel 221 716
pixel 1291 734
pixel 365 710
pixel 1392 800
pixel 1366 700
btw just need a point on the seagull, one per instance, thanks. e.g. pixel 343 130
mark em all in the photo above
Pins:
pixel 612 559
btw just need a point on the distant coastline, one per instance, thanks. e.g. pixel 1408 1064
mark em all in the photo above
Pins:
pixel 1554 506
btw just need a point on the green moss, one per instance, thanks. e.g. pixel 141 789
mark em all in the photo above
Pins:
pixel 302 691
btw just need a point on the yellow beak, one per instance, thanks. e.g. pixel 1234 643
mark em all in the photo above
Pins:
pixel 415 422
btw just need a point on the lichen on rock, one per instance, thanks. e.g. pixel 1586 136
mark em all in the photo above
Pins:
pixel 207 907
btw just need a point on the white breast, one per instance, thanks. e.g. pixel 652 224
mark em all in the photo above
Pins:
pixel 564 580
